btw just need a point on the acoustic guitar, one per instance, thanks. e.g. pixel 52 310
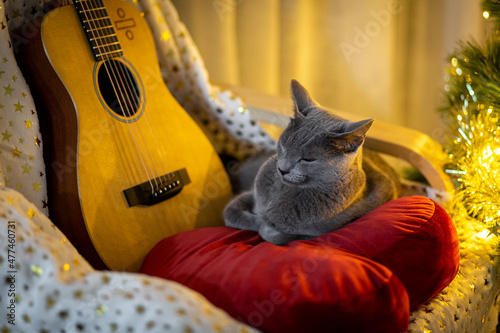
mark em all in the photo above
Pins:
pixel 126 165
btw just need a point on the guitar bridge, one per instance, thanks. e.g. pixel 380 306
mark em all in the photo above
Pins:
pixel 164 187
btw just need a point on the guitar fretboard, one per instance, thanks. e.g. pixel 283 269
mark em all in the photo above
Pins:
pixel 98 28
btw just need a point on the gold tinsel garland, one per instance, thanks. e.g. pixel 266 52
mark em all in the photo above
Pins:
pixel 473 111
pixel 475 153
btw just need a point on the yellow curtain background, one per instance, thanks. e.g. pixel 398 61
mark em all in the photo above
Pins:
pixel 377 58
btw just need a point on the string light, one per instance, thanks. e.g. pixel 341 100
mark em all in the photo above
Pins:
pixel 473 149
pixel 477 161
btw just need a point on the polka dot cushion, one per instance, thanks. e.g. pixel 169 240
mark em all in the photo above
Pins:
pixel 48 287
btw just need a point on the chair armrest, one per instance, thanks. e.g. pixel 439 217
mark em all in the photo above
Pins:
pixel 420 150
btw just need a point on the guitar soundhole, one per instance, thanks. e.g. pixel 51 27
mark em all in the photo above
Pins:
pixel 118 88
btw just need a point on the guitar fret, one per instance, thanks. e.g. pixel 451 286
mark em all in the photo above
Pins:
pixel 99 28
pixel 110 44
pixel 91 9
pixel 92 3
pixel 88 3
pixel 106 55
pixel 96 19
pixel 110 52
pixel 98 37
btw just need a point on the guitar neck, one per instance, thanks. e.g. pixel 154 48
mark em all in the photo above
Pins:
pixel 99 29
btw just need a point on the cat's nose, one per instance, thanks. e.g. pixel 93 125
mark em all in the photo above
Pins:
pixel 284 166
pixel 284 172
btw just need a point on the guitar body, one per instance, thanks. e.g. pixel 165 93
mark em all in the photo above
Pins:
pixel 93 154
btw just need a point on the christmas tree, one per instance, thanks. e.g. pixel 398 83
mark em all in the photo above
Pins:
pixel 473 111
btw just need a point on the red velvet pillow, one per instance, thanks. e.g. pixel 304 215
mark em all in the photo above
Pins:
pixel 356 279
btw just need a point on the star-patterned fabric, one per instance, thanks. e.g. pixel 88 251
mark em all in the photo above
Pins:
pixel 53 279
pixel 49 287
pixel 21 159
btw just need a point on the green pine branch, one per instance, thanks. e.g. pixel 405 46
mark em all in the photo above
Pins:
pixel 475 76
pixel 493 9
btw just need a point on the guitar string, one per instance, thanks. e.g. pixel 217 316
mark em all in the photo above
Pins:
pixel 127 83
pixel 131 90
pixel 92 28
pixel 160 152
pixel 128 87
pixel 130 82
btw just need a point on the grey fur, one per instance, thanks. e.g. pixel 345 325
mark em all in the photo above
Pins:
pixel 319 180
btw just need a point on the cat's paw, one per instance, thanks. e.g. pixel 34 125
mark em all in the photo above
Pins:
pixel 271 235
pixel 243 220
pixel 239 213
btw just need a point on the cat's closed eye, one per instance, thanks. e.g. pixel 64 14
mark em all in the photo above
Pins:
pixel 307 159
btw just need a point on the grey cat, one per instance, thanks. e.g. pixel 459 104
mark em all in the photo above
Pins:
pixel 319 180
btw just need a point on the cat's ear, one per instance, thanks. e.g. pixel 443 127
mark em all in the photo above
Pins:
pixel 302 100
pixel 353 136
pixel 359 128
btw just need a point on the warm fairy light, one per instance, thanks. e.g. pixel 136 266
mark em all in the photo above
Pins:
pixel 485 234
pixel 477 163
pixel 474 118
